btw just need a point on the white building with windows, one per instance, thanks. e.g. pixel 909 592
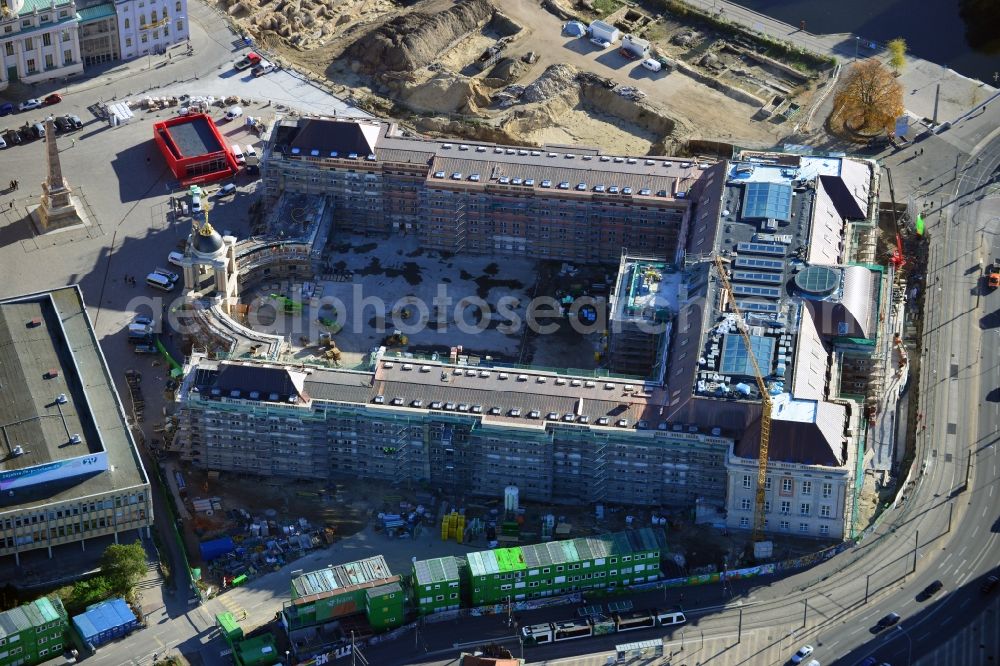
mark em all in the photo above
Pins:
pixel 800 499
pixel 39 41
pixel 149 27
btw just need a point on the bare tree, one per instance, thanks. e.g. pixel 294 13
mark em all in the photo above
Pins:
pixel 869 99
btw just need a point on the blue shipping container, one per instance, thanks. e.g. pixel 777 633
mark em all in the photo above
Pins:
pixel 216 548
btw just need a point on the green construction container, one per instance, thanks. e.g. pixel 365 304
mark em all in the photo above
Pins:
pixel 229 628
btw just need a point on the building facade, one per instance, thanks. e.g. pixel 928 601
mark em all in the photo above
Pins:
pixel 39 41
pixel 99 33
pixel 483 199
pixel 558 439
pixel 801 500
pixel 150 27
pixel 33 633
pixel 437 584
pixel 607 562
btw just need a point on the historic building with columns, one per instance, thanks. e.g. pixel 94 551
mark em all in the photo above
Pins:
pixel 39 41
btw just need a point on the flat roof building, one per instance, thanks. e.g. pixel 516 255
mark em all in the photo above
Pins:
pixel 70 470
pixel 194 149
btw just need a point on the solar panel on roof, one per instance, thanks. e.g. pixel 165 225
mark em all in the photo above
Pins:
pixel 761 248
pixel 760 264
pixel 756 276
pixel 753 290
pixel 756 306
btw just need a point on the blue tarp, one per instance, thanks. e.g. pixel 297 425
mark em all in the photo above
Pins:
pixel 211 550
pixel 575 28
pixel 105 621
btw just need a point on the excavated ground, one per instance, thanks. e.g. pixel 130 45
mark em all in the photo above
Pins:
pixel 496 71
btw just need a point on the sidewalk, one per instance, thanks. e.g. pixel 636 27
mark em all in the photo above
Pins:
pixel 920 79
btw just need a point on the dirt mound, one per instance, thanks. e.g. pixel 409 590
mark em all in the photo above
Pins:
pixel 509 70
pixel 554 81
pixel 445 93
pixel 411 41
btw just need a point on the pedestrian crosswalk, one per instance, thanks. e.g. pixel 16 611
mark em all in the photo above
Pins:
pixel 238 611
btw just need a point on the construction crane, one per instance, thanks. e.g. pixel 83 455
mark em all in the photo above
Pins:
pixel 765 401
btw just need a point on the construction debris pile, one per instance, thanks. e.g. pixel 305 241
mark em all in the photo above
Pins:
pixel 255 545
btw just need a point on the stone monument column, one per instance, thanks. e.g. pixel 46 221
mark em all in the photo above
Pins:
pixel 58 207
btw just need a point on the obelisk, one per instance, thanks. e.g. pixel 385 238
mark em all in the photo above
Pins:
pixel 58 207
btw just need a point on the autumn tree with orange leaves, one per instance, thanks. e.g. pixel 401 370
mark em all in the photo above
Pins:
pixel 869 99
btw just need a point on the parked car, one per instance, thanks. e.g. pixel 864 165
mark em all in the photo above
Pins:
pixel 196 203
pixel 3 144
pixel 888 620
pixel 62 125
pixel 145 349
pixel 652 64
pixel 6 109
pixel 12 137
pixel 597 41
pixel 228 188
pixel 262 68
pixel 143 320
pixel 170 275
pixel 73 120
pixel 989 584
pixel 249 60
pixel 176 258
pixel 27 134
pixel 54 98
pixel 802 653
pixel 29 104
pixel 930 590
pixel 234 112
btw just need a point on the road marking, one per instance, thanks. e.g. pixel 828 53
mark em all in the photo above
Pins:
pixel 985 508
pixel 976 530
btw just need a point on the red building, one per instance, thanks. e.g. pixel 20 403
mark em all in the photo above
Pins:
pixel 194 149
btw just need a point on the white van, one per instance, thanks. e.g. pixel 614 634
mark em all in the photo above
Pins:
pixel 176 258
pixel 158 281
pixel 238 154
pixel 652 64
pixel 250 151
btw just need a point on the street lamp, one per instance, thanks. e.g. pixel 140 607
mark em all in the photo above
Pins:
pixel 857 40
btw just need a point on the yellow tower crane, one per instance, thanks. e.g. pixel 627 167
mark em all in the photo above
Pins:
pixel 765 402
